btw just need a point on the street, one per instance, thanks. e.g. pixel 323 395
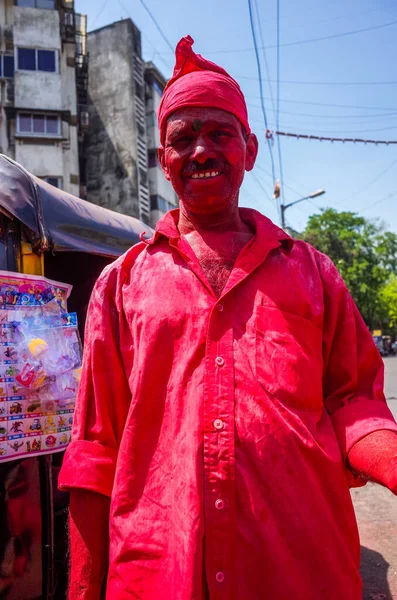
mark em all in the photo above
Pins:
pixel 376 510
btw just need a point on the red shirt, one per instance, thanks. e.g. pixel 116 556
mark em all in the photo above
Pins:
pixel 220 427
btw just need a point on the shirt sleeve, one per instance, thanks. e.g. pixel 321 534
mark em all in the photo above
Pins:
pixel 353 367
pixel 104 397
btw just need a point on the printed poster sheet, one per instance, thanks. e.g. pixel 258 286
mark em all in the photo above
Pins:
pixel 40 364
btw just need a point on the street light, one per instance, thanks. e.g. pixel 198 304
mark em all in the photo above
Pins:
pixel 284 207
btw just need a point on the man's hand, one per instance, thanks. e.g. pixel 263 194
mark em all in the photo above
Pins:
pixel 89 544
pixel 374 458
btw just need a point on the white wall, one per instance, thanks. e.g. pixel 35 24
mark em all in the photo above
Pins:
pixel 36 89
pixel 40 28
pixel 40 159
pixel 68 80
pixel 36 27
pixel 71 162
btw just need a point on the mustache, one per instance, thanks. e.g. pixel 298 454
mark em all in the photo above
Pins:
pixel 209 165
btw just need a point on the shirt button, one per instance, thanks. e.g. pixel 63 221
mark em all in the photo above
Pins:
pixel 218 424
pixel 219 307
pixel 220 577
pixel 219 361
pixel 220 504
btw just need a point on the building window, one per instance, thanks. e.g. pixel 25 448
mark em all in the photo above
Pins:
pixel 159 203
pixel 152 159
pixel 50 4
pixel 32 59
pixel 46 60
pixel 55 181
pixel 38 124
pixel 6 66
pixel 158 89
pixel 150 120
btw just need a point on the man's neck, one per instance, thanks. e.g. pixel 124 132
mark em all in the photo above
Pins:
pixel 220 222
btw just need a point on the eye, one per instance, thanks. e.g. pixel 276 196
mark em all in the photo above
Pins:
pixel 219 133
pixel 184 139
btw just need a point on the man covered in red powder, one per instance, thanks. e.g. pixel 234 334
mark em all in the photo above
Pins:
pixel 230 393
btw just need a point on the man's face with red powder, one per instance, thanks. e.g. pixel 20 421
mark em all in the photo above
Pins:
pixel 205 156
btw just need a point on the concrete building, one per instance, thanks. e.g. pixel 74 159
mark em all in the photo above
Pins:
pixel 162 195
pixel 121 171
pixel 43 87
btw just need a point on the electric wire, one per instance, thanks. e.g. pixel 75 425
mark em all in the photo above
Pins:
pixel 363 189
pixel 339 132
pixel 309 40
pixel 388 197
pixel 159 29
pixel 278 105
pixel 265 191
pixel 336 83
pixel 271 93
pixel 369 116
pixel 265 58
pixel 322 138
pixel 145 37
pixel 258 64
pixel 299 194
pixel 362 107
pixel 100 11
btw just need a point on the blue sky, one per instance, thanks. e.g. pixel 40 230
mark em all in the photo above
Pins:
pixel 357 177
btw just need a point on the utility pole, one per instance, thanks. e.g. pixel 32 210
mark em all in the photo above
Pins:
pixel 283 207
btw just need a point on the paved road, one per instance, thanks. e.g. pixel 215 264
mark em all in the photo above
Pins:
pixel 376 510
pixel 391 383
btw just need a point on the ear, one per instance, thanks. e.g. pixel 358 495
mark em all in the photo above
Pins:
pixel 251 151
pixel 161 155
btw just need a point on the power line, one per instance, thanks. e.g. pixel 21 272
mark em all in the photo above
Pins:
pixel 145 36
pixel 348 83
pixel 301 194
pixel 265 60
pixel 342 131
pixel 388 197
pixel 278 104
pixel 339 35
pixel 100 11
pixel 258 181
pixel 308 41
pixel 157 25
pixel 375 116
pixel 331 139
pixel 258 64
pixel 379 176
pixel 270 90
pixel 332 105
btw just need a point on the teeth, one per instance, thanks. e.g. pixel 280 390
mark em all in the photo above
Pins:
pixel 205 175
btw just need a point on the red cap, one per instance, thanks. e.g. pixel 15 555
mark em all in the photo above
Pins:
pixel 200 82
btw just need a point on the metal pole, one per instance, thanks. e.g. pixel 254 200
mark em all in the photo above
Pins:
pixel 282 209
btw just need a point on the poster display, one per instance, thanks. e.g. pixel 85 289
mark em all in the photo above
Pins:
pixel 40 365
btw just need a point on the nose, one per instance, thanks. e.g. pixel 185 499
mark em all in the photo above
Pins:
pixel 202 150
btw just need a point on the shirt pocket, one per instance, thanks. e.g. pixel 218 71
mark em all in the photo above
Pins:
pixel 289 361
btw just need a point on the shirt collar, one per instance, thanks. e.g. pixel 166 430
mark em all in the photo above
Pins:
pixel 263 227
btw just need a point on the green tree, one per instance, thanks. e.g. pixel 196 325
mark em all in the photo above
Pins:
pixel 364 254
pixel 388 296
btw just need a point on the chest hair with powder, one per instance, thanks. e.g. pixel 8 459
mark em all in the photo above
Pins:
pixel 218 264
